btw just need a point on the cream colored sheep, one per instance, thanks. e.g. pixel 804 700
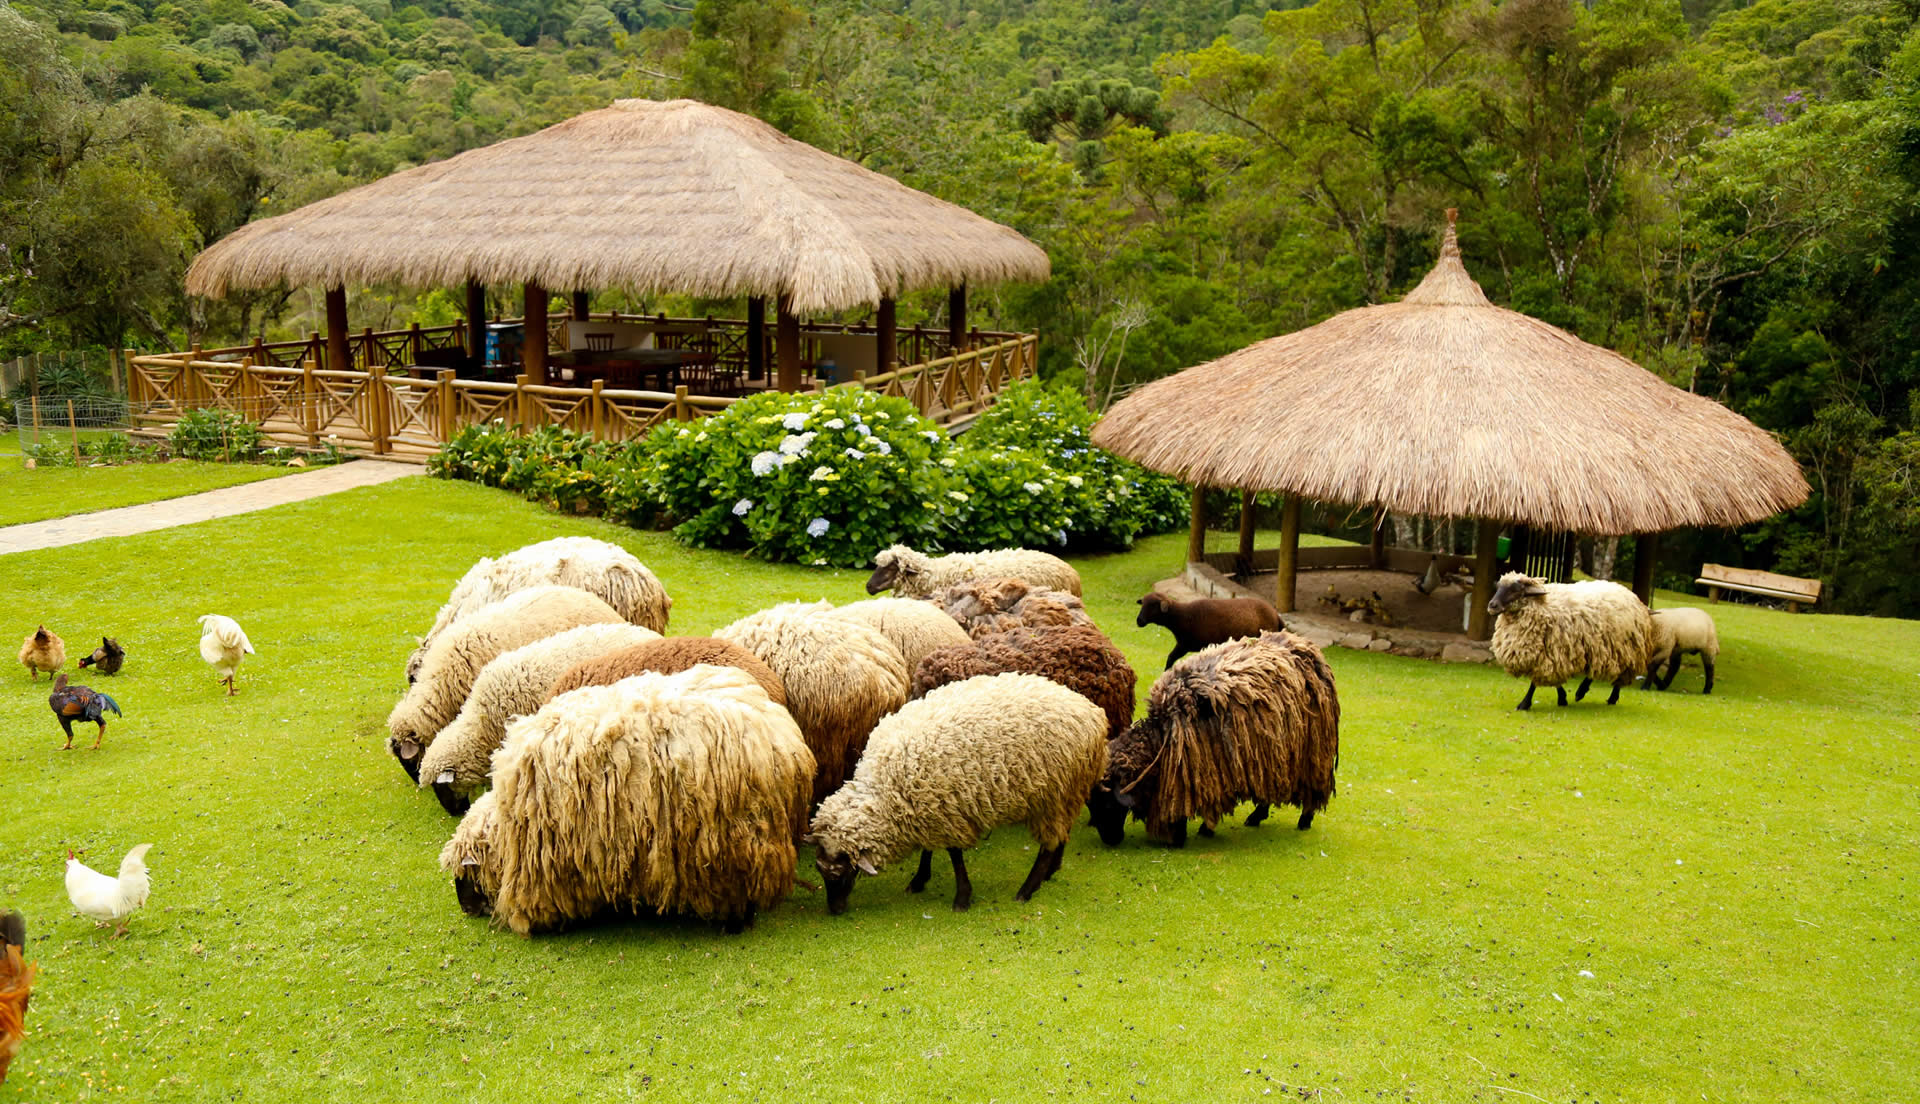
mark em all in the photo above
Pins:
pixel 985 606
pixel 1676 632
pixel 917 628
pixel 1551 632
pixel 911 574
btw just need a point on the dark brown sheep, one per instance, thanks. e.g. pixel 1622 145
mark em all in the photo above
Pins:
pixel 1197 623
pixel 1078 657
pixel 669 656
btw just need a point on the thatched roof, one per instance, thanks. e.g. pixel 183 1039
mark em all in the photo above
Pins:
pixel 1445 405
pixel 643 196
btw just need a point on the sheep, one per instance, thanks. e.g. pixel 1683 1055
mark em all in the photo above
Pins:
pixel 666 656
pixel 915 627
pixel 1203 621
pixel 458 654
pixel 595 566
pixel 996 605
pixel 948 768
pixel 1078 657
pixel 676 793
pixel 911 574
pixel 1251 719
pixel 1678 631
pixel 841 677
pixel 1548 633
pixel 514 684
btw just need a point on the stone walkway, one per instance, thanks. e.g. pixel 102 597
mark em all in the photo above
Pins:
pixel 125 521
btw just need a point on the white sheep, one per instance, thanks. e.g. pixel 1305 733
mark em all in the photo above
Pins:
pixel 917 628
pixel 474 641
pixel 595 566
pixel 1548 633
pixel 514 684
pixel 1678 631
pixel 912 574
pixel 950 767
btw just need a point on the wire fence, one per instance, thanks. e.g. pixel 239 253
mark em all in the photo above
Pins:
pixel 72 428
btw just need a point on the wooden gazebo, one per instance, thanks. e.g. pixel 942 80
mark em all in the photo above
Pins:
pixel 1444 405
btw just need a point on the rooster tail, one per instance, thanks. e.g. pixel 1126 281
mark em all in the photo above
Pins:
pixel 136 861
pixel 109 703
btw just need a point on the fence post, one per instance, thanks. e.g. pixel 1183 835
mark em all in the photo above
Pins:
pixel 314 348
pixel 521 415
pixel 597 411
pixel 413 343
pixel 377 389
pixel 682 412
pixel 309 401
pixel 136 392
pixel 73 426
pixel 449 417
pixel 33 385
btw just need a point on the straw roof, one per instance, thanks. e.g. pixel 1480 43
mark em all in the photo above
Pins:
pixel 643 196
pixel 1445 405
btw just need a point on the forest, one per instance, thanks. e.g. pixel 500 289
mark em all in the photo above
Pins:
pixel 1724 193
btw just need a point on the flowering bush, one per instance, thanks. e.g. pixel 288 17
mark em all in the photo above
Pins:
pixel 478 453
pixel 564 468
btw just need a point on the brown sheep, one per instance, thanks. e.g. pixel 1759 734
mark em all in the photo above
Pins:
pixel 1202 621
pixel 668 656
pixel 1078 657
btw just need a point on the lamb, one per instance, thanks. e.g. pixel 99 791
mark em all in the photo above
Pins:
pixel 43 650
pixel 514 684
pixel 595 566
pixel 841 677
pixel 1252 719
pixel 676 793
pixel 996 605
pixel 458 654
pixel 911 574
pixel 1202 621
pixel 1078 657
pixel 1678 631
pixel 669 655
pixel 1550 632
pixel 948 768
pixel 915 627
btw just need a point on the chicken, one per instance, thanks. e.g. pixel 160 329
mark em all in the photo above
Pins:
pixel 16 988
pixel 43 650
pixel 107 900
pixel 1426 584
pixel 107 658
pixel 80 703
pixel 222 643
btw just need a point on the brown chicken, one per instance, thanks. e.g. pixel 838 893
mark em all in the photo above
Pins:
pixel 16 988
pixel 43 650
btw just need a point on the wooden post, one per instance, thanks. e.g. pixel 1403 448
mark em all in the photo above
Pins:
pixel 1243 563
pixel 135 393
pixel 449 417
pixel 377 391
pixel 786 345
pixel 533 345
pixel 886 334
pixel 1197 527
pixel 73 426
pixel 476 320
pixel 1377 548
pixel 520 399
pixel 1479 623
pixel 1288 567
pixel 957 316
pixel 309 402
pixel 582 304
pixel 1646 554
pixel 339 358
pixel 597 411
pixel 682 411
pixel 757 338
pixel 413 343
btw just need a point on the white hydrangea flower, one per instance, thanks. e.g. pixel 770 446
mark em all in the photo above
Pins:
pixel 820 473
pixel 930 434
pixel 1059 536
pixel 862 430
pixel 835 423
pixel 700 436
pixel 764 462
pixel 1033 488
pixel 818 527
pixel 856 454
pixel 957 496
pixel 880 445
pixel 949 462
pixel 795 421
pixel 741 507
pixel 794 445
pixel 1074 481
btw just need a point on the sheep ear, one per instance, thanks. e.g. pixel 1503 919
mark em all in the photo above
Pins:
pixel 1535 589
pixel 864 866
pixel 810 840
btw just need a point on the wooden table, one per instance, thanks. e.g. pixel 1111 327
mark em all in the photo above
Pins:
pixel 636 368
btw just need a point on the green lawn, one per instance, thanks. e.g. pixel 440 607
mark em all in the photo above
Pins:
pixel 47 492
pixel 1677 898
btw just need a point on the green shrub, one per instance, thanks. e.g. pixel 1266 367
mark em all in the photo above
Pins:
pixel 1007 498
pixel 478 454
pixel 215 435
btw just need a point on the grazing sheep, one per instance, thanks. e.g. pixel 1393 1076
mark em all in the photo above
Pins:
pixel 43 650
pixel 996 605
pixel 915 627
pixel 947 769
pixel 841 677
pixel 1676 632
pixel 1551 632
pixel 911 574
pixel 671 794
pixel 666 656
pixel 513 684
pixel 1253 719
pixel 1202 621
pixel 598 567
pixel 458 654
pixel 1078 657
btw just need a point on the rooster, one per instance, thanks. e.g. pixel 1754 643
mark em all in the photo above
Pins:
pixel 43 650
pixel 80 703
pixel 16 988
pixel 107 658
pixel 222 643
pixel 107 900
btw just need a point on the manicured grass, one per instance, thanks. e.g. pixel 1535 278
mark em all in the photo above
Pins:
pixel 1735 872
pixel 47 492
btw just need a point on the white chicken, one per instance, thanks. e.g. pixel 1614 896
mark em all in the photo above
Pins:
pixel 107 900
pixel 222 643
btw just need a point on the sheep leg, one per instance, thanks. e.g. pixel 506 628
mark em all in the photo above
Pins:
pixel 921 876
pixel 1177 834
pixel 1044 864
pixel 1707 662
pixel 1614 698
pixel 738 922
pixel 1178 651
pixel 1259 815
pixel 1206 830
pixel 1580 694
pixel 1673 668
pixel 1527 702
pixel 1561 693
pixel 962 888
pixel 1306 818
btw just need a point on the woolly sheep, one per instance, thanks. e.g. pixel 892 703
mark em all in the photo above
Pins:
pixel 1202 621
pixel 911 574
pixel 458 654
pixel 666 656
pixel 1078 657
pixel 915 627
pixel 1678 631
pixel 841 677
pixel 514 684
pixel 997 605
pixel 948 768
pixel 674 793
pixel 598 567
pixel 1550 632
pixel 1252 719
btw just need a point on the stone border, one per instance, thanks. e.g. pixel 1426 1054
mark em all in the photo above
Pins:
pixel 1328 632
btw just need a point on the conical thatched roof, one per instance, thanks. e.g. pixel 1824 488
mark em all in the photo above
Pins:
pixel 644 196
pixel 1445 405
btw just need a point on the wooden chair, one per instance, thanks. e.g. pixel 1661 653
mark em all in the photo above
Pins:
pixel 600 342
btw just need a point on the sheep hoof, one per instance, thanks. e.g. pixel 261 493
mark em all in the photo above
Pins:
pixel 739 921
pixel 452 800
pixel 1206 831
pixel 408 752
pixel 1259 815
pixel 1306 820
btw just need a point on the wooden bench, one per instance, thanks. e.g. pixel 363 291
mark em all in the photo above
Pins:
pixel 1795 591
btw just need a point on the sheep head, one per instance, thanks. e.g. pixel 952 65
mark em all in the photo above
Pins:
pixel 1514 587
pixel 889 567
pixel 837 870
pixel 1153 607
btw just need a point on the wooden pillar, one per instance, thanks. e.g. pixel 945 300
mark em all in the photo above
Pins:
pixel 957 316
pixel 1479 624
pixel 1377 548
pixel 757 337
pixel 1646 553
pixel 339 359
pixel 786 345
pixel 582 306
pixel 1289 563
pixel 1243 563
pixel 533 347
pixel 476 320
pixel 1197 529
pixel 886 332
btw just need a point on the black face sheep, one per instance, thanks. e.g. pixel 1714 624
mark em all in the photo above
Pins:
pixel 911 574
pixel 666 656
pixel 598 567
pixel 1203 621
pixel 947 769
pixel 514 684
pixel 1256 719
pixel 108 658
pixel 997 605
pixel 1676 632
pixel 1551 632
pixel 915 627
pixel 661 793
pixel 1078 657
pixel 458 654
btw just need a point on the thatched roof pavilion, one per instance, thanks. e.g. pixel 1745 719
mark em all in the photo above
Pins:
pixel 1445 405
pixel 642 196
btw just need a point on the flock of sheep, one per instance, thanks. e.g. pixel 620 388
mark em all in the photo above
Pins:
pixel 600 767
